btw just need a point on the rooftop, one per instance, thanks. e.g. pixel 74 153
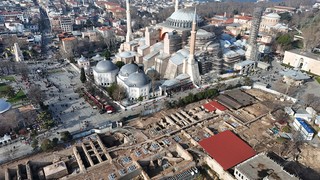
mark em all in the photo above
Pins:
pixel 294 74
pixel 306 54
pixel 227 149
pixel 305 125
pixel 253 169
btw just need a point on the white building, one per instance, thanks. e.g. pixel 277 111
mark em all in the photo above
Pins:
pixel 289 111
pixel 303 114
pixel 311 111
pixel 304 128
pixel 136 83
pixel 306 61
pixel 251 168
pixel 317 120
pixel 84 63
pixel 14 27
pixel 105 73
pixel 244 67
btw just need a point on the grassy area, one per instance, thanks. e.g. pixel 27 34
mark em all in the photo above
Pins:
pixel 286 65
pixel 3 88
pixel 9 78
pixel 280 140
pixel 18 97
pixel 318 79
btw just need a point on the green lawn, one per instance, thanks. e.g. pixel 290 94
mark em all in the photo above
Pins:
pixel 9 78
pixel 18 97
pixel 318 79
pixel 3 89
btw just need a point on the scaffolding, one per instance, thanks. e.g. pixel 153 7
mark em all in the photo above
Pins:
pixel 256 20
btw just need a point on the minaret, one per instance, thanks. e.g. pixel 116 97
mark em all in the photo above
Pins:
pixel 129 30
pixel 176 7
pixel 192 67
pixel 193 38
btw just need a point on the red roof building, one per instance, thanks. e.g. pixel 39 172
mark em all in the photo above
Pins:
pixel 218 106
pixel 227 149
pixel 209 107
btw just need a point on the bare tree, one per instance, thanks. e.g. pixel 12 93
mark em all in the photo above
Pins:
pixel 36 95
pixel 22 69
pixel 154 76
pixel 313 101
pixel 119 93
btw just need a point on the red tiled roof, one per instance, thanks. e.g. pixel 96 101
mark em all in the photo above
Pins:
pixel 227 149
pixel 243 17
pixel 209 107
pixel 229 21
pixel 218 105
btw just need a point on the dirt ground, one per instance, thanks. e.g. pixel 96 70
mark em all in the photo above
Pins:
pixel 45 157
pixel 310 157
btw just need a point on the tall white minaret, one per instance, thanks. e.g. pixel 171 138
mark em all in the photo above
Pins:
pixel 176 6
pixel 193 38
pixel 192 67
pixel 129 30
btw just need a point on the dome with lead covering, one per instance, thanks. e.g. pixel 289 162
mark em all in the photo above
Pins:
pixel 128 69
pixel 127 54
pixel 138 79
pixel 105 66
pixel 183 18
pixel 4 106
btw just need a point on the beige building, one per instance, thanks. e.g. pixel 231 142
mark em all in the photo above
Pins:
pixel 306 61
pixel 56 170
pixel 271 22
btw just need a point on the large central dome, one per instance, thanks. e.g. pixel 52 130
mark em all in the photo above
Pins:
pixel 183 18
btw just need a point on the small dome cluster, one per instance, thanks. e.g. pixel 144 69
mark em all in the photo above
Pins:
pixel 128 69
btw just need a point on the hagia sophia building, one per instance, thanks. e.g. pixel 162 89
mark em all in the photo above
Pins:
pixel 177 49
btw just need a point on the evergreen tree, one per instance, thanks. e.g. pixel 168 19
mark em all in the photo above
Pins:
pixel 83 77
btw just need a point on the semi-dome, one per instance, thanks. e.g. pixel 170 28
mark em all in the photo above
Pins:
pixel 273 15
pixel 183 18
pixel 138 79
pixel 128 69
pixel 105 66
pixel 203 34
pixel 126 54
pixel 4 106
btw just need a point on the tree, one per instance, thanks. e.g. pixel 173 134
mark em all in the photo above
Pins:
pixel 46 145
pixel 83 77
pixel 285 17
pixel 284 41
pixel 9 91
pixel 34 143
pixel 45 119
pixel 35 94
pixel 247 81
pixel 22 69
pixel 106 54
pixel 116 92
pixel 140 98
pixel 120 64
pixel 90 87
pixel 119 93
pixel 55 142
pixel 65 136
